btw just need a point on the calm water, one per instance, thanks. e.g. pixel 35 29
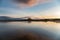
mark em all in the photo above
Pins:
pixel 42 30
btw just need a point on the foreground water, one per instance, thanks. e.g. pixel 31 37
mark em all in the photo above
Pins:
pixel 29 31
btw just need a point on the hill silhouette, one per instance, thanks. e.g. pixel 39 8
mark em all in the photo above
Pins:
pixel 6 18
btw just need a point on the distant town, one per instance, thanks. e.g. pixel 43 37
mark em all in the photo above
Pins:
pixel 6 18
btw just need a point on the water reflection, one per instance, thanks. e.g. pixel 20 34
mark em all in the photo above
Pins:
pixel 29 31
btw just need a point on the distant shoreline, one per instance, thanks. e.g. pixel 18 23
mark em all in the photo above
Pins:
pixel 41 20
pixel 29 19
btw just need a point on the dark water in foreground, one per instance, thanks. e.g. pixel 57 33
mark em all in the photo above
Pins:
pixel 29 31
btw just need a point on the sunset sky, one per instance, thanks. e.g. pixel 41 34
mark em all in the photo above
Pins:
pixel 37 8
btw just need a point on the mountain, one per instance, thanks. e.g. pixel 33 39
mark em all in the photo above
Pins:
pixel 4 18
pixel 10 18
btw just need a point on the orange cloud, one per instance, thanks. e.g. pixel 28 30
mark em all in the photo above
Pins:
pixel 30 3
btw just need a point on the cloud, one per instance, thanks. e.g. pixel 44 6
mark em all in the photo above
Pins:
pixel 30 3
pixel 22 1
pixel 53 12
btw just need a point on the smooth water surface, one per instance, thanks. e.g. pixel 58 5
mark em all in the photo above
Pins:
pixel 33 30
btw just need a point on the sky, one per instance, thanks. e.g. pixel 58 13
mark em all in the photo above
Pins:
pixel 33 8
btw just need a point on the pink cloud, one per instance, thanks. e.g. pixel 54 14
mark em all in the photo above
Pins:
pixel 30 3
